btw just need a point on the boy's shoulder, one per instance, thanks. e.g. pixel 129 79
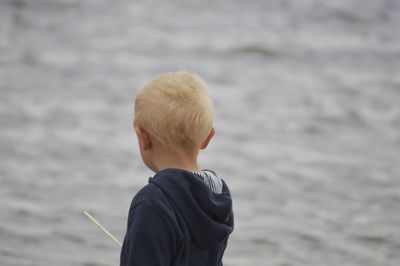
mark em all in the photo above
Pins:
pixel 150 195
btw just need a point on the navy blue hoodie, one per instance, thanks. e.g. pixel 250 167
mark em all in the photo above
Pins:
pixel 177 220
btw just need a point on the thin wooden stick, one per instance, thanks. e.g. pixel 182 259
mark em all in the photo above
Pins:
pixel 102 228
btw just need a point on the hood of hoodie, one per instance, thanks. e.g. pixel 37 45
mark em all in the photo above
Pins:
pixel 208 216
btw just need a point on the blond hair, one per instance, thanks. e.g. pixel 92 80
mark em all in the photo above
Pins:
pixel 175 109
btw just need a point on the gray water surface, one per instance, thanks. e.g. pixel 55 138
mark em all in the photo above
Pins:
pixel 307 98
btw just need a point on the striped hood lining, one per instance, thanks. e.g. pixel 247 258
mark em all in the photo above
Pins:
pixel 211 179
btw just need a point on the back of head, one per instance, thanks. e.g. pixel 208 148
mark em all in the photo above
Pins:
pixel 175 109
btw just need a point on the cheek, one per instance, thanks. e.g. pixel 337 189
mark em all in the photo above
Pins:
pixel 149 163
pixel 146 160
pixel 144 156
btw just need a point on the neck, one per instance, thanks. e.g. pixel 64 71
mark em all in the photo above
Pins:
pixel 176 159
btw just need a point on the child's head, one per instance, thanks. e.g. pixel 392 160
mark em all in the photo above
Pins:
pixel 175 109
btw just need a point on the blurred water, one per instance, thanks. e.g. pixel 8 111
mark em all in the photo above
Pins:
pixel 307 99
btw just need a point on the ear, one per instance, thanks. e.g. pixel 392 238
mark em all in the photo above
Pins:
pixel 208 139
pixel 143 138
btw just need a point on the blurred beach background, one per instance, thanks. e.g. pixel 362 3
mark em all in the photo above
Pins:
pixel 307 96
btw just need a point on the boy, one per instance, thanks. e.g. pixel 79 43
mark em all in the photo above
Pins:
pixel 183 216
